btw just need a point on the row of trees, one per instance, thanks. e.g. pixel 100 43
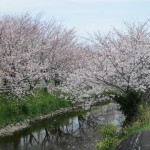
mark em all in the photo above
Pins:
pixel 34 51
pixel 119 60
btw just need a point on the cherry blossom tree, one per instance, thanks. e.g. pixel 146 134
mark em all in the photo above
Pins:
pixel 19 43
pixel 79 83
pixel 32 51
pixel 119 66
pixel 58 57
pixel 123 58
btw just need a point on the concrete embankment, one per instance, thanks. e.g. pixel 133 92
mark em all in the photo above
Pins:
pixel 14 127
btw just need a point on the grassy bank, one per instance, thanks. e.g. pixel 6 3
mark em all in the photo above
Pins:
pixel 113 136
pixel 13 109
pixel 142 122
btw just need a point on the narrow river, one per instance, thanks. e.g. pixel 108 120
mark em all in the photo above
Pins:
pixel 77 131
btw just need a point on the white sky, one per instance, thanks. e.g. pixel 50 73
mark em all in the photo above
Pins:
pixel 87 16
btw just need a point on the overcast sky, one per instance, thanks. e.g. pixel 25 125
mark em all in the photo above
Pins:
pixel 87 16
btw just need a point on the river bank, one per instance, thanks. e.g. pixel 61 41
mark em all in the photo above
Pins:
pixel 70 131
pixel 18 126
pixel 11 128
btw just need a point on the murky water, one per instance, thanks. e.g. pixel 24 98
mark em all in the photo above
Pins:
pixel 78 131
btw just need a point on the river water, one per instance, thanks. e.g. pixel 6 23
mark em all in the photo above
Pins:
pixel 72 131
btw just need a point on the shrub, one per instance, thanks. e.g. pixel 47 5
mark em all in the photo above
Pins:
pixel 109 134
pixel 109 131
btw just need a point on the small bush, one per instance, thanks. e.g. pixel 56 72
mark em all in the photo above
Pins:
pixel 109 131
pixel 109 134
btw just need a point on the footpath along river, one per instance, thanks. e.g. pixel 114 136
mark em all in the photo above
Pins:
pixel 71 131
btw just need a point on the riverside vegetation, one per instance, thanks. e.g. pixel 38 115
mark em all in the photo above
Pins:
pixel 13 109
pixel 113 136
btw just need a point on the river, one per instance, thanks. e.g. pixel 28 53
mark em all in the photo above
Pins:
pixel 71 131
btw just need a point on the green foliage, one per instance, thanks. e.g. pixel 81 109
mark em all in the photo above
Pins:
pixel 129 103
pixel 107 144
pixel 109 134
pixel 140 109
pixel 13 109
pixel 109 131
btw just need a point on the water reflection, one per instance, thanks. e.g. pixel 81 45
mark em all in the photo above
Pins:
pixel 74 133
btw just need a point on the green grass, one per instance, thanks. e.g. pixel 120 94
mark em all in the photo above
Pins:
pixel 14 109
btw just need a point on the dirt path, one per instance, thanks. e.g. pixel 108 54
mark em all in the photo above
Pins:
pixel 139 141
